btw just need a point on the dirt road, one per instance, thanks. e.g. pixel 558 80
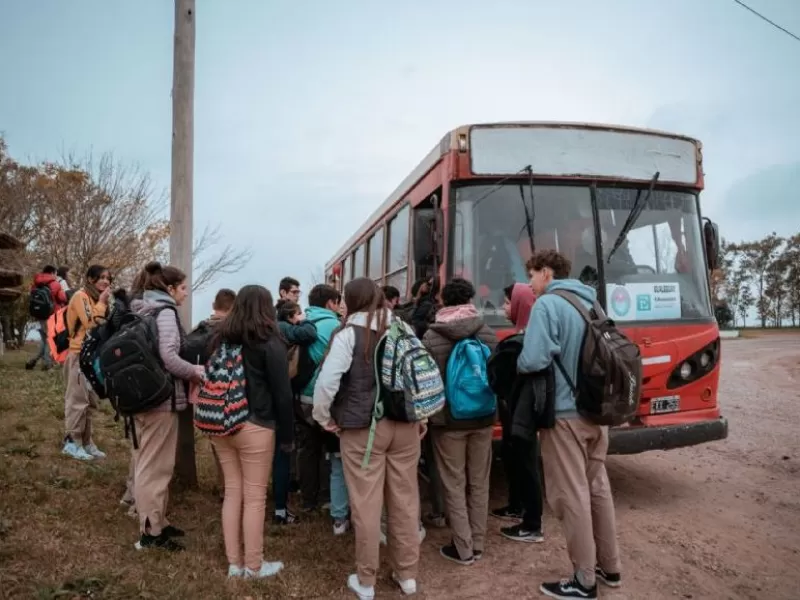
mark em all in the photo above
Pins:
pixel 716 521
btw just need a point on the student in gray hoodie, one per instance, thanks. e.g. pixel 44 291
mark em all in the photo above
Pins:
pixel 157 429
pixel 574 450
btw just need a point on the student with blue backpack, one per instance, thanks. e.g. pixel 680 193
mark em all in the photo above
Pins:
pixel 460 343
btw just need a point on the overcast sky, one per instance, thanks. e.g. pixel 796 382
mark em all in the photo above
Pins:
pixel 308 114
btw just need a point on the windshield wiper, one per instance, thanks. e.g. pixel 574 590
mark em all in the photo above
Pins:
pixel 633 216
pixel 530 213
pixel 498 185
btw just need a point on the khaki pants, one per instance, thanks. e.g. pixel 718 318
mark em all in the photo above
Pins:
pixel 78 403
pixel 391 475
pixel 464 459
pixel 578 491
pixel 128 497
pixel 157 434
pixel 246 459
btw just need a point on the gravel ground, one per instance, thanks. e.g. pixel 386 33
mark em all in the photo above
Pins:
pixel 716 521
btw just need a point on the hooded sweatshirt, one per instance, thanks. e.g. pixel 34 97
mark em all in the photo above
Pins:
pixel 326 321
pixel 557 329
pixel 170 340
pixel 56 292
pixel 522 299
pixel 455 323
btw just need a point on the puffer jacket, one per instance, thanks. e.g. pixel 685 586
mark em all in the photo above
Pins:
pixel 439 340
pixel 170 340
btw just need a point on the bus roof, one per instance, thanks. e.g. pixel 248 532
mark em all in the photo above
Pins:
pixel 450 141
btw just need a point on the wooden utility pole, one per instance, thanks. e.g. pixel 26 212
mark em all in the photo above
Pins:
pixel 180 239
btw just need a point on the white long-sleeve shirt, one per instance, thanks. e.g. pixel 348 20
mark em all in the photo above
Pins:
pixel 336 364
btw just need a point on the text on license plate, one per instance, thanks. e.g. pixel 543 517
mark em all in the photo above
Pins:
pixel 665 404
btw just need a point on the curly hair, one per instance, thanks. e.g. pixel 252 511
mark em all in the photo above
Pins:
pixel 458 291
pixel 553 259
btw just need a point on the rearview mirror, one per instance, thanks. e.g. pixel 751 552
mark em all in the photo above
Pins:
pixel 711 237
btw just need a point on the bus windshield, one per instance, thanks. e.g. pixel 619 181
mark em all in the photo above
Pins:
pixel 657 274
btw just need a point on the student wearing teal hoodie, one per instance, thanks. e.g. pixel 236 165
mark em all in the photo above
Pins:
pixel 323 312
pixel 574 450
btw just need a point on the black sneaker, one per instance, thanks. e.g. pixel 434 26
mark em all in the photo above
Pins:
pixel 29 366
pixel 477 554
pixel 521 533
pixel 450 552
pixel 171 531
pixel 289 518
pixel 613 580
pixel 158 541
pixel 507 512
pixel 568 588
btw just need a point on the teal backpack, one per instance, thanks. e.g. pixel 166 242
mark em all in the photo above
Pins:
pixel 468 393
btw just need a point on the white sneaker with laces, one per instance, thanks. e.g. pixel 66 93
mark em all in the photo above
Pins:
pixel 363 592
pixel 407 586
pixel 72 450
pixel 94 451
pixel 268 569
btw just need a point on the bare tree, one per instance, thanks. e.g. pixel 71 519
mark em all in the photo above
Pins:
pixel 208 265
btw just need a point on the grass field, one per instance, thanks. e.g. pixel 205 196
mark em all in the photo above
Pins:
pixel 64 535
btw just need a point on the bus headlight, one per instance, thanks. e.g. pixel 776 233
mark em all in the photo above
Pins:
pixel 686 371
pixel 695 366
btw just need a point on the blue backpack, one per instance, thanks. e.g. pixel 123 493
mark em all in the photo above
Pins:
pixel 468 393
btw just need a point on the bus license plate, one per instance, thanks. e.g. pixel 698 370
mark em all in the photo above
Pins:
pixel 665 404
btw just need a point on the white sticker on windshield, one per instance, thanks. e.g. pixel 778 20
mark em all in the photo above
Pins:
pixel 644 301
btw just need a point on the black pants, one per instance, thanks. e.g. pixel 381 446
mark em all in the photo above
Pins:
pixel 312 468
pixel 521 465
pixel 529 480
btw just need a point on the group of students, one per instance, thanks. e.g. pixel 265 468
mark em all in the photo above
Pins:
pixel 314 384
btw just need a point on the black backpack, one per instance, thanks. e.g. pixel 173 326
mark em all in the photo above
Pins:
pixel 41 304
pixel 195 349
pixel 609 368
pixel 134 376
pixel 305 370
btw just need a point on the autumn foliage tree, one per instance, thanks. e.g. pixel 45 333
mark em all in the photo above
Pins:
pixel 81 211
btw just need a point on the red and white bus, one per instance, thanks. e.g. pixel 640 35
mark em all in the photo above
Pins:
pixel 487 194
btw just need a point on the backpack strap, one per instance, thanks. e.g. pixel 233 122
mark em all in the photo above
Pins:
pixel 572 298
pixel 377 407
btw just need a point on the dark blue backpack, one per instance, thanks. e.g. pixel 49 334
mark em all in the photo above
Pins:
pixel 468 393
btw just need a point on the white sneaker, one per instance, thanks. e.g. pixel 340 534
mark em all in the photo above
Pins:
pixel 407 586
pixel 94 451
pixel 422 533
pixel 340 527
pixel 234 572
pixel 72 450
pixel 363 592
pixel 268 569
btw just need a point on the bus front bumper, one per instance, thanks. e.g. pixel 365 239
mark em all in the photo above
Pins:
pixel 632 440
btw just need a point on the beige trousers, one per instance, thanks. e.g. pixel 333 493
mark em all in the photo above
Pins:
pixel 391 475
pixel 78 403
pixel 246 460
pixel 464 459
pixel 157 435
pixel 578 491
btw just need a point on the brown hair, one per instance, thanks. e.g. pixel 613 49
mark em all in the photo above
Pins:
pixel 287 309
pixel 553 259
pixel 251 320
pixel 364 295
pixel 224 299
pixel 162 278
